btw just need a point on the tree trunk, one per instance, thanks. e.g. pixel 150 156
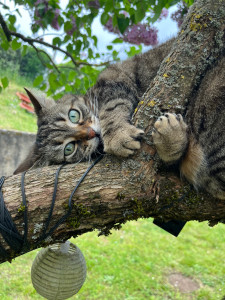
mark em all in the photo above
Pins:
pixel 117 190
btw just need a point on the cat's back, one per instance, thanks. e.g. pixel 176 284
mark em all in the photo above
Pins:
pixel 206 110
pixel 206 121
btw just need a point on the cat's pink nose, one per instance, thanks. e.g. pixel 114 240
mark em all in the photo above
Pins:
pixel 91 133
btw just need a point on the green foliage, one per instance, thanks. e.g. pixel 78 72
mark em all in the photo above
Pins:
pixel 12 116
pixel 9 60
pixel 21 62
pixel 77 41
pixel 15 44
pixel 189 2
pixel 5 82
pixel 31 65
pixel 133 51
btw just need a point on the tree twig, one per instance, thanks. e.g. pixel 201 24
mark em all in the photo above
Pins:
pixel 42 51
pixel 31 41
pixel 5 28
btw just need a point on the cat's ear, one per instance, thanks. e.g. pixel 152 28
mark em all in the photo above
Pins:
pixel 29 161
pixel 39 100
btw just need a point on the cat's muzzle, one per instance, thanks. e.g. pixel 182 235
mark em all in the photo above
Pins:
pixel 91 133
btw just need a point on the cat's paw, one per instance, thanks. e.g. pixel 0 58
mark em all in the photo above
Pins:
pixel 124 141
pixel 170 137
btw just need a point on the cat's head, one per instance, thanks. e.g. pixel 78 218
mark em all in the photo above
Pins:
pixel 68 130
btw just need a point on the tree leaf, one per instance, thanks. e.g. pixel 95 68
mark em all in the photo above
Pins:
pixel 52 79
pixel 15 45
pixel 68 26
pixel 43 87
pixel 56 41
pixel 12 19
pixel 5 82
pixel 68 88
pixel 117 41
pixel 140 11
pixel 24 51
pixel 104 18
pixel 62 78
pixel 95 40
pixel 38 80
pixel 49 66
pixel 72 75
pixel 122 23
pixel 5 45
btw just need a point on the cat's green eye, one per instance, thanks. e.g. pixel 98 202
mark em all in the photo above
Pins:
pixel 69 149
pixel 74 116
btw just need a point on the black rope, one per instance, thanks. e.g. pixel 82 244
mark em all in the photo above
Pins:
pixel 45 235
pixel 25 242
pixel 8 229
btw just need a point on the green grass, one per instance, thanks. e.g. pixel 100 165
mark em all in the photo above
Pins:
pixel 132 263
pixel 12 116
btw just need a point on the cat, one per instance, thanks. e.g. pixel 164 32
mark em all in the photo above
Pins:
pixel 73 128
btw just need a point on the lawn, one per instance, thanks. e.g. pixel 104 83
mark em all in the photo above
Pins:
pixel 12 116
pixel 133 263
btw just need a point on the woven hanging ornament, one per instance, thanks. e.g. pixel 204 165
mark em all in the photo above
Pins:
pixel 58 271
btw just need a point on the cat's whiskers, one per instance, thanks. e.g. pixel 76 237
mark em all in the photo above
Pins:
pixel 89 159
pixel 96 106
pixel 79 161
pixel 39 163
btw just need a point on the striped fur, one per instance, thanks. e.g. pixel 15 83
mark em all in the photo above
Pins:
pixel 200 146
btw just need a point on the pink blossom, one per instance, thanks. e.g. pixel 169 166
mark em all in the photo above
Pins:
pixel 180 14
pixel 94 4
pixel 40 13
pixel 135 34
pixel 141 33
pixel 55 23
pixel 109 26
pixel 164 14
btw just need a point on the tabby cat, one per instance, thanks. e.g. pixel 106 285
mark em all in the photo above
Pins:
pixel 73 128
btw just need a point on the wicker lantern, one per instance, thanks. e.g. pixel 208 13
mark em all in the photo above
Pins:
pixel 58 271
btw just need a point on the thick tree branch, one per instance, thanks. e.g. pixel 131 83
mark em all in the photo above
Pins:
pixel 118 190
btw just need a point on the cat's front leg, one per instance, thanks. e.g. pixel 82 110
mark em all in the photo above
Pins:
pixel 120 137
pixel 170 137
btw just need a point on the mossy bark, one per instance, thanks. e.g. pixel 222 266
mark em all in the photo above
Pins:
pixel 117 190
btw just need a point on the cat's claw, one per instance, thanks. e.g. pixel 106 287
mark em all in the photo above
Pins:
pixel 170 137
pixel 123 142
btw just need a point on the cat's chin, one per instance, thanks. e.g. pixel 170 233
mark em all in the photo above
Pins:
pixel 98 148
pixel 94 147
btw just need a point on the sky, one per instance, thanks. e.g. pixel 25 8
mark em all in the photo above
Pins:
pixel 167 29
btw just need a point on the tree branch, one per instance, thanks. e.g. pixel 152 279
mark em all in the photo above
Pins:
pixel 117 190
pixel 9 34
pixel 38 51
pixel 5 28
